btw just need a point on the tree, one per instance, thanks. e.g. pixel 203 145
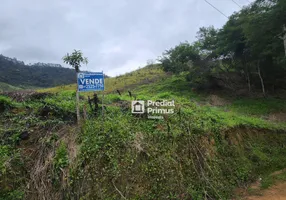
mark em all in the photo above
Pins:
pixel 250 48
pixel 76 59
pixel 267 49
pixel 207 40
pixel 176 59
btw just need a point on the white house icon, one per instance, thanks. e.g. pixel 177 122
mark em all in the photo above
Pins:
pixel 81 75
pixel 138 107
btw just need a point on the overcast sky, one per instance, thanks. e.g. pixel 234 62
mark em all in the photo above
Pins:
pixel 117 36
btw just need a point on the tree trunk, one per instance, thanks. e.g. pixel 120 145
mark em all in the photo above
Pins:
pixel 102 106
pixel 248 81
pixel 246 70
pixel 84 112
pixel 248 78
pixel 261 79
pixel 284 38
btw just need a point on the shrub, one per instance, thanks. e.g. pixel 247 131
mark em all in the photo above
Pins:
pixel 5 103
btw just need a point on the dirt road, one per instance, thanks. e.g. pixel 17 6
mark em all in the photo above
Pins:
pixel 276 192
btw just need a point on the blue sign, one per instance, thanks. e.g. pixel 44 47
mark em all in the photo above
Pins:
pixel 90 81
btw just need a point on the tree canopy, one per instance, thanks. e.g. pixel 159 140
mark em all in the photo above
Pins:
pixel 251 44
pixel 75 59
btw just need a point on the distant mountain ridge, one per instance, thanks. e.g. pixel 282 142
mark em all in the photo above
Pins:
pixel 17 73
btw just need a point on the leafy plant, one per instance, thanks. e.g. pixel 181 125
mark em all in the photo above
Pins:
pixel 60 162
pixel 61 157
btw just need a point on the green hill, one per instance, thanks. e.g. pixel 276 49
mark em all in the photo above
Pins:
pixel 146 75
pixel 224 127
pixel 210 146
pixel 39 75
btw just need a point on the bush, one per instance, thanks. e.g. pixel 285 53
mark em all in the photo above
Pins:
pixel 199 78
pixel 61 159
pixel 11 174
pixel 5 103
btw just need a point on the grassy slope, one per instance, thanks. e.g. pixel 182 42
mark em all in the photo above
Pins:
pixel 245 144
pixel 201 150
pixel 6 87
pixel 153 83
pixel 129 80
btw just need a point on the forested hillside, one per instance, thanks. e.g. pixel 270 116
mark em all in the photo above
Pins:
pixel 247 54
pixel 18 74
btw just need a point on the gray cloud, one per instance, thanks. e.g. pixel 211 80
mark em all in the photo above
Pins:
pixel 116 35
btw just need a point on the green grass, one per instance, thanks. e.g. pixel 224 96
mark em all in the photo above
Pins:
pixel 174 86
pixel 269 179
pixel 4 87
pixel 109 148
pixel 232 119
pixel 248 112
pixel 244 112
pixel 262 106
pixel 206 150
